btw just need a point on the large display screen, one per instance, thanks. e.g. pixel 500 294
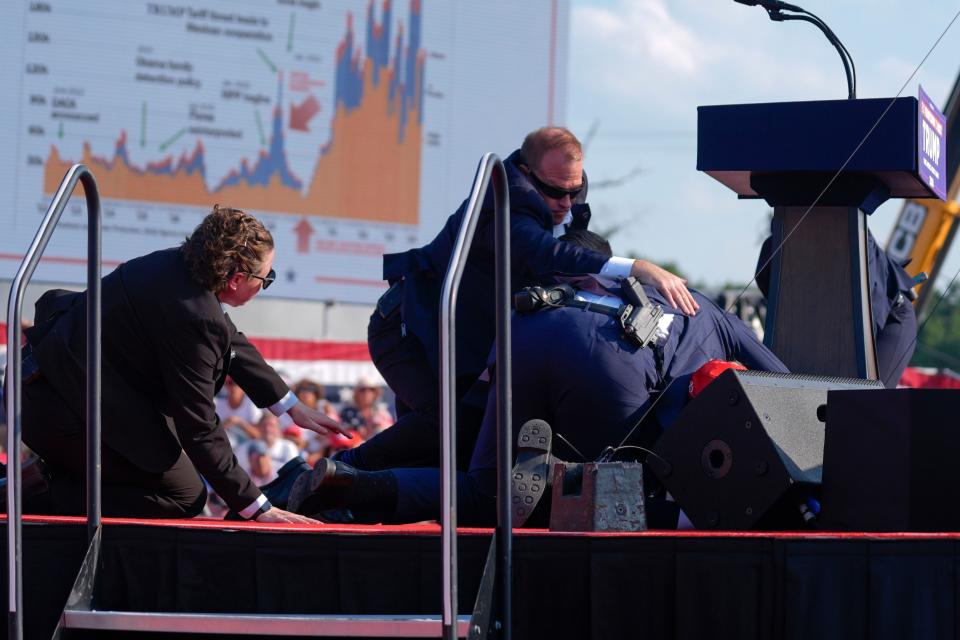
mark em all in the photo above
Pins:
pixel 351 127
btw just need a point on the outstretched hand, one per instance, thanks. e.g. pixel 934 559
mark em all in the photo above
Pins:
pixel 673 288
pixel 316 421
pixel 275 514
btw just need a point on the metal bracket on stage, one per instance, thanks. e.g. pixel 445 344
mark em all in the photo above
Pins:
pixel 490 168
pixel 77 173
pixel 482 624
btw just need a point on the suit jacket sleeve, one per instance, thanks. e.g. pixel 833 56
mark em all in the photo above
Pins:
pixel 189 364
pixel 252 373
pixel 534 248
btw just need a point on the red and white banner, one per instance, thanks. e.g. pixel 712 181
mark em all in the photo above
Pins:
pixel 323 361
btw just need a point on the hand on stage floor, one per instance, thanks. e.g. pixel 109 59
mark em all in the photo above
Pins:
pixel 273 514
pixel 317 421
pixel 673 288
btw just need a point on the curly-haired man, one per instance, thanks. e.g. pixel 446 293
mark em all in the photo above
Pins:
pixel 167 346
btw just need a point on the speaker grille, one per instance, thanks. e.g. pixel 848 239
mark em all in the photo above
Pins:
pixel 801 381
pixel 750 442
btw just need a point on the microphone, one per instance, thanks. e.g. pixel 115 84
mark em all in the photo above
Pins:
pixel 774 8
pixel 770 5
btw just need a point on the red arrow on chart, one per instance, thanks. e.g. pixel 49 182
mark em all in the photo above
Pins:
pixel 303 231
pixel 301 115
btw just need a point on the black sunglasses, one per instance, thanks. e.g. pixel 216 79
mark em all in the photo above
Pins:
pixel 267 279
pixel 554 192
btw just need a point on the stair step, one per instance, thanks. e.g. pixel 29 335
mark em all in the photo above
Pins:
pixel 356 626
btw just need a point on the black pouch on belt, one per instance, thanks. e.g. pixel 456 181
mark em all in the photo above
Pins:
pixel 390 301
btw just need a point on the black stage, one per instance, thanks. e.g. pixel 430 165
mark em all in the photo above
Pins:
pixel 649 585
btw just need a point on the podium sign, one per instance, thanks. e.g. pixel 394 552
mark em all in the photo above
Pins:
pixel 932 145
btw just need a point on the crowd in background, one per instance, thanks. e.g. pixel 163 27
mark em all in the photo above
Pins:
pixel 263 442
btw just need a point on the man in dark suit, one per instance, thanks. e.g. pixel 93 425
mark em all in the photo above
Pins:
pixel 548 191
pixel 573 368
pixel 167 346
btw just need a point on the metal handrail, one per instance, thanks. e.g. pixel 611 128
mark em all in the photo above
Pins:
pixel 81 173
pixel 490 167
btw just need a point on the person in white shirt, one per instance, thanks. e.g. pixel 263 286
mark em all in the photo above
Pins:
pixel 238 415
pixel 278 449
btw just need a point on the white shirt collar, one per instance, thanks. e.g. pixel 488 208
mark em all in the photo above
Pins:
pixel 560 229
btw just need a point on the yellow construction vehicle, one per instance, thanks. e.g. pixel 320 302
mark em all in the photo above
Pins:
pixel 925 228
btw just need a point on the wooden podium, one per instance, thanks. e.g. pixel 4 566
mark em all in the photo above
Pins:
pixel 823 166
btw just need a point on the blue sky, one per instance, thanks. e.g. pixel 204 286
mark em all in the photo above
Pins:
pixel 639 68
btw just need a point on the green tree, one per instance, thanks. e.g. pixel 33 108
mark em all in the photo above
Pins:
pixel 613 229
pixel 938 343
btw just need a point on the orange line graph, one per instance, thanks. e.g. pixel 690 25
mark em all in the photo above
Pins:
pixel 369 169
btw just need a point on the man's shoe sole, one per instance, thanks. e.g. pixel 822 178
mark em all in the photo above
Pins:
pixel 303 499
pixel 530 473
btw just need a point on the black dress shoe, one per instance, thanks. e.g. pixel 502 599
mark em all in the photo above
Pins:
pixel 277 491
pixel 327 487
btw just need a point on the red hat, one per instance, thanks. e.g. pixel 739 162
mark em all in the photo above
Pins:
pixel 337 441
pixel 293 431
pixel 708 372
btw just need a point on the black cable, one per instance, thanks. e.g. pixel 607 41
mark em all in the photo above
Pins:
pixel 842 50
pixel 853 67
pixel 610 452
pixel 560 437
pixel 774 9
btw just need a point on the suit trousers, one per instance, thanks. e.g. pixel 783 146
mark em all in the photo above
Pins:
pixel 59 437
pixel 403 362
pixel 414 440
pixel 896 342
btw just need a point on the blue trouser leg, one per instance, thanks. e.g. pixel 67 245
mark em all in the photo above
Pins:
pixel 896 342
pixel 715 334
pixel 418 492
pixel 752 353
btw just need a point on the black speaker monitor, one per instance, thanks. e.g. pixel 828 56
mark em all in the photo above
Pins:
pixel 891 461
pixel 746 444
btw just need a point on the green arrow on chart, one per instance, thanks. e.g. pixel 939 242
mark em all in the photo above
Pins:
pixel 60 131
pixel 174 138
pixel 293 19
pixel 263 139
pixel 267 60
pixel 143 125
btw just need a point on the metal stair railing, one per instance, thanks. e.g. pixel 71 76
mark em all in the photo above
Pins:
pixel 77 173
pixel 490 168
pixel 80 612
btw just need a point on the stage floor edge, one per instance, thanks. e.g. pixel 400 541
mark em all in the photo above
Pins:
pixel 656 584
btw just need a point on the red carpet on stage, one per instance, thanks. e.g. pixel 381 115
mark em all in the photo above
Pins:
pixel 652 585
